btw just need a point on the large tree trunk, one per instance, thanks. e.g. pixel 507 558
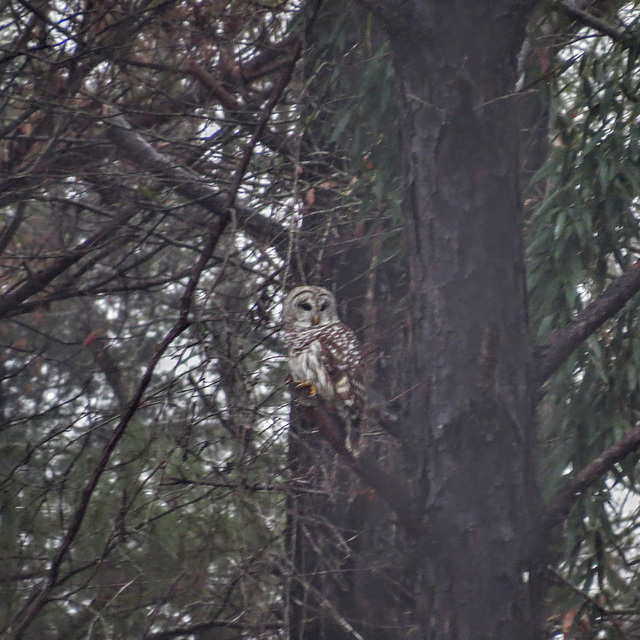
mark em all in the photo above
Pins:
pixel 471 415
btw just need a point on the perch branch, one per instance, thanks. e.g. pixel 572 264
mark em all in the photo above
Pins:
pixel 394 492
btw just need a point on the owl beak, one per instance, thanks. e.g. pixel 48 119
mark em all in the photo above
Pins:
pixel 315 320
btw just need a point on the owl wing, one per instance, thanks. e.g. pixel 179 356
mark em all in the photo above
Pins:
pixel 342 359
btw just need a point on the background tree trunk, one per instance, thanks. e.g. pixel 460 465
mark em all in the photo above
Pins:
pixel 343 540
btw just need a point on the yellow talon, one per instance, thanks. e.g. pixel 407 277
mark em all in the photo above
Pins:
pixel 312 387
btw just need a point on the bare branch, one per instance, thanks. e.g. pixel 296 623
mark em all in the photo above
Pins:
pixel 187 184
pixel 234 108
pixel 38 281
pixel 270 60
pixel 276 94
pixel 564 341
pixel 34 607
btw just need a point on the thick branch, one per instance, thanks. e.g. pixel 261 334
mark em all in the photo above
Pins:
pixel 561 503
pixel 564 341
pixel 395 493
pixel 187 184
pixel 589 20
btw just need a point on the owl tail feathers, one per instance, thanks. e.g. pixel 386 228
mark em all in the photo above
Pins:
pixel 352 435
pixel 352 442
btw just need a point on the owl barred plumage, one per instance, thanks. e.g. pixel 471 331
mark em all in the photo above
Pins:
pixel 324 353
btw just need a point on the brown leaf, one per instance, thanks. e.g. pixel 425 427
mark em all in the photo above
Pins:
pixel 91 337
pixel 567 621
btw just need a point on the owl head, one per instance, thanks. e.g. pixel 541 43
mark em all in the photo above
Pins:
pixel 307 307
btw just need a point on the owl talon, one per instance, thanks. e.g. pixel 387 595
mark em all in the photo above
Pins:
pixel 312 387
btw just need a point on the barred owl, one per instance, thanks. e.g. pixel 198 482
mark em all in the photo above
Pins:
pixel 324 354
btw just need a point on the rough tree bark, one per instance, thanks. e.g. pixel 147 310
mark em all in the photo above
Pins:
pixel 472 417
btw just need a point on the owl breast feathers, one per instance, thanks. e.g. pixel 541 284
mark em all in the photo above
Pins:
pixel 323 353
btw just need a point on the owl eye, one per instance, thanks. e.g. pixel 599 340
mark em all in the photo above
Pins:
pixel 305 305
pixel 323 306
